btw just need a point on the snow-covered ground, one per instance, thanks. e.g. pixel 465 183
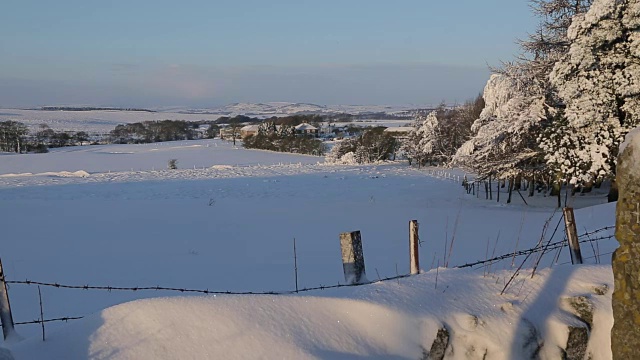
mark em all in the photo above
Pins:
pixel 288 108
pixel 103 121
pixel 229 224
pixel 155 156
pixel 95 121
pixel 380 321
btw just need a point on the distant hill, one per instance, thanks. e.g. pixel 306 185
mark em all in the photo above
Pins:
pixel 285 108
pixel 88 108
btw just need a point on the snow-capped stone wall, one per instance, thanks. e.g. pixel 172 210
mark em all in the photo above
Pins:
pixel 625 335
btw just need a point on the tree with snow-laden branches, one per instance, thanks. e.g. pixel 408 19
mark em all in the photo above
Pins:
pixel 430 138
pixel 503 143
pixel 436 136
pixel 599 82
pixel 373 145
pixel 410 145
pixel 523 110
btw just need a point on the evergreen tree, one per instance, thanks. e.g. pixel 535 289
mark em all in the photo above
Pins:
pixel 599 82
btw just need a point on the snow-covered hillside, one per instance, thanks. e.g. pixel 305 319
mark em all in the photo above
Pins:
pixel 135 157
pixel 94 121
pixel 272 108
pixel 229 225
pixel 287 108
pixel 103 121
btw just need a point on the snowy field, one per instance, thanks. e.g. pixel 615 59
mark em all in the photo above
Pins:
pixel 229 225
pixel 95 121
pixel 103 121
pixel 135 157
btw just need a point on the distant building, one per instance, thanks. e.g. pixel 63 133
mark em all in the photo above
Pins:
pixel 249 130
pixel 398 132
pixel 306 129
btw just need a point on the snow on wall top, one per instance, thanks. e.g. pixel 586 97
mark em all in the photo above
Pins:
pixel 633 137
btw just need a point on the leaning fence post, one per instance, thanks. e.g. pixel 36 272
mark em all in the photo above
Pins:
pixel 5 308
pixel 414 241
pixel 572 235
pixel 352 257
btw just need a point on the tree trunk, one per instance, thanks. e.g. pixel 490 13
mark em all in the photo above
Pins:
pixel 518 182
pixel 555 188
pixel 510 190
pixel 613 192
pixel 532 185
pixel 490 190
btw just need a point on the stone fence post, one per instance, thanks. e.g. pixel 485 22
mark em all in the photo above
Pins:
pixel 352 258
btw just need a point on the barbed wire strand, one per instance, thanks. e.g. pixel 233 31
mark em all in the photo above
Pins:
pixel 527 252
pixel 540 248
pixel 66 318
pixel 186 290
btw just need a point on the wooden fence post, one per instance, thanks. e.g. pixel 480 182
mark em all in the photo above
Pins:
pixel 352 257
pixel 5 308
pixel 572 235
pixel 414 242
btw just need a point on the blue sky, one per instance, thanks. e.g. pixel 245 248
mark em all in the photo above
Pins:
pixel 209 53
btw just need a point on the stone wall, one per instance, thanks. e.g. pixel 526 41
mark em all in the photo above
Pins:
pixel 625 335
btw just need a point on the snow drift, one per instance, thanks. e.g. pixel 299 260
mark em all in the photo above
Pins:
pixel 383 320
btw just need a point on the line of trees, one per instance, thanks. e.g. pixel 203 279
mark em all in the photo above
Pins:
pixel 557 114
pixel 283 138
pixel 12 136
pixel 90 108
pixel 153 131
pixel 436 136
pixel 291 120
pixel 16 137
pixel 372 145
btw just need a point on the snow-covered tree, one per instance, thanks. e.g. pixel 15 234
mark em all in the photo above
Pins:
pixel 286 131
pixel 372 146
pixel 503 144
pixel 431 139
pixel 435 137
pixel 410 145
pixel 12 136
pixel 599 81
pixel 267 128
pixel 520 100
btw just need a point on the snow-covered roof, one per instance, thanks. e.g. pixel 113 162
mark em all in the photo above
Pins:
pixel 250 128
pixel 399 129
pixel 305 126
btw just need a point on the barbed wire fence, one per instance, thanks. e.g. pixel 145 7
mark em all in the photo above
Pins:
pixel 541 249
pixel 173 289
